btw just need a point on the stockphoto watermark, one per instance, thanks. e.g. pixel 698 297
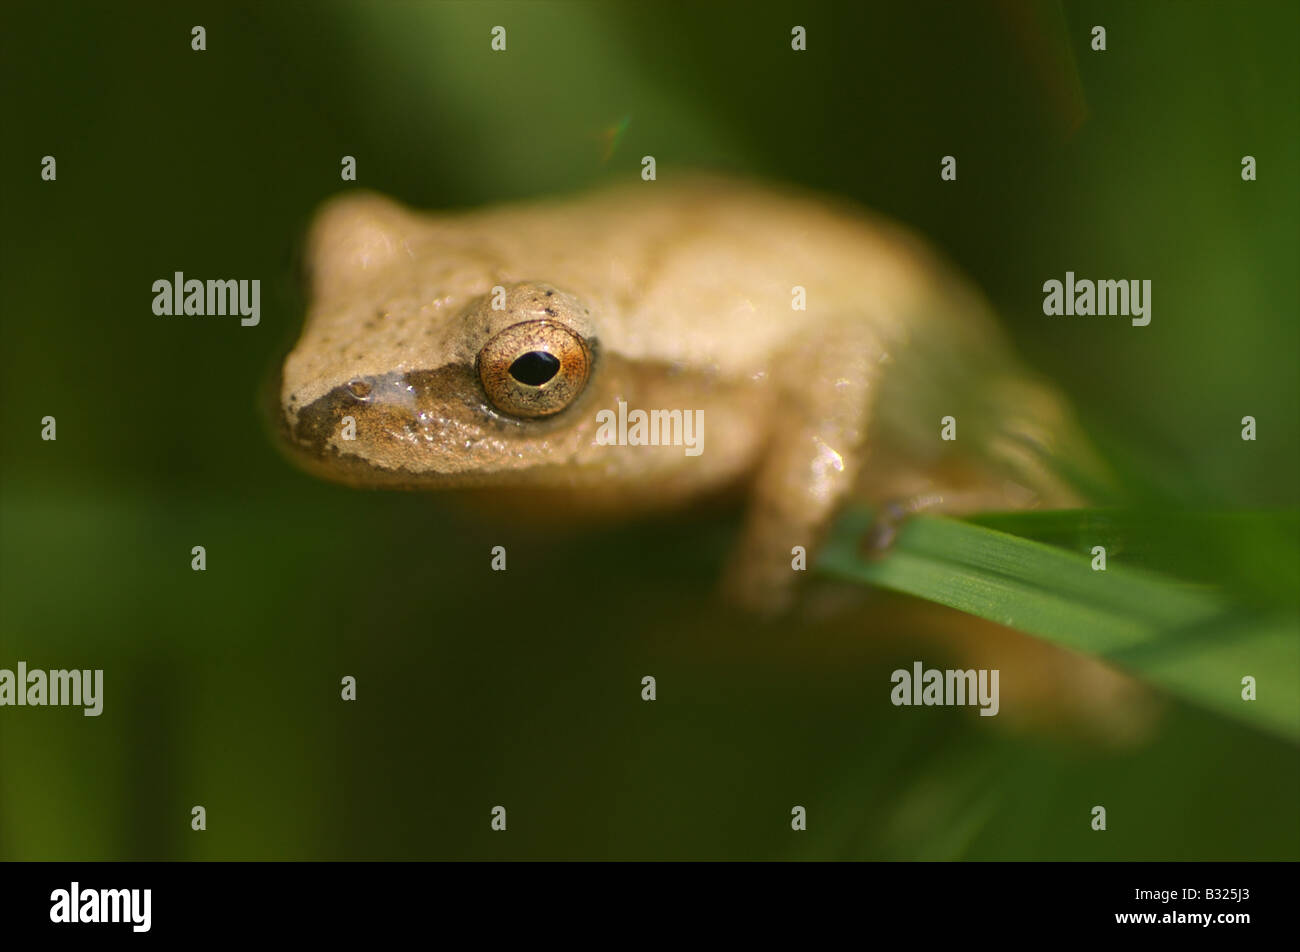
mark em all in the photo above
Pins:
pixel 625 427
pixel 199 298
pixel 1087 298
pixel 75 904
pixel 57 688
pixel 927 687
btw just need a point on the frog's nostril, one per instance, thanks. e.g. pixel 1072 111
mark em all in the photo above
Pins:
pixel 535 368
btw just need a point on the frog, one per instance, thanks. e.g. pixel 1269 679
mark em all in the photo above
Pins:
pixel 832 355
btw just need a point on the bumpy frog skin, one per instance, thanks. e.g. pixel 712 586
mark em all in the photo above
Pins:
pixel 664 296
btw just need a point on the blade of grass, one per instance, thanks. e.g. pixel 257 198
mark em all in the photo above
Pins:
pixel 1254 555
pixel 1192 640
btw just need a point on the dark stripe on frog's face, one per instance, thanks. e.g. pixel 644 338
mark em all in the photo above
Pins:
pixel 425 428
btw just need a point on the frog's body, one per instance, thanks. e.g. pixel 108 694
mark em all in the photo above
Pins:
pixel 676 297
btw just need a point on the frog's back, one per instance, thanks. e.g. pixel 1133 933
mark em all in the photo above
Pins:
pixel 738 255
pixel 708 267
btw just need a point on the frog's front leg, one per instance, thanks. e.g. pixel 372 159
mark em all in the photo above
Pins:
pixel 825 385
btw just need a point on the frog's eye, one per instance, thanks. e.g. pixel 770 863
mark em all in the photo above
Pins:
pixel 534 369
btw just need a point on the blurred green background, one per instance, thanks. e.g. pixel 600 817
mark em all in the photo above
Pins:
pixel 222 687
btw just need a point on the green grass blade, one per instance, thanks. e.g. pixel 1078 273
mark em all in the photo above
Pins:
pixel 1194 640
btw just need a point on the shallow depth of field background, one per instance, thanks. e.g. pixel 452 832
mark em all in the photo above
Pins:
pixel 474 690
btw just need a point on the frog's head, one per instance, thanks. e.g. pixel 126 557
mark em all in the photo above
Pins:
pixel 422 364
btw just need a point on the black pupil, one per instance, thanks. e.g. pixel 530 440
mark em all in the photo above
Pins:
pixel 535 368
